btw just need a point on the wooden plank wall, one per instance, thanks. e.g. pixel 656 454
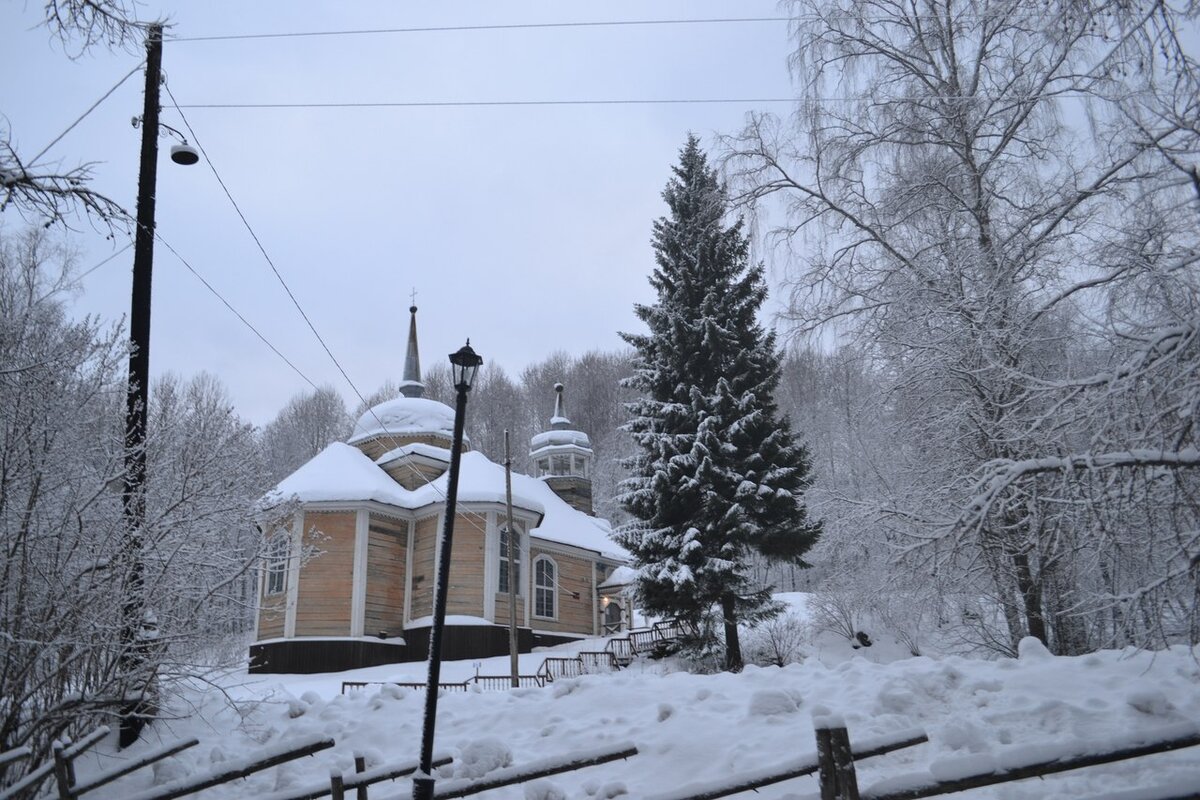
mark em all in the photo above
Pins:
pixel 326 581
pixel 272 614
pixel 424 547
pixel 387 540
pixel 502 607
pixel 413 476
pixel 466 565
pixel 574 575
pixel 377 446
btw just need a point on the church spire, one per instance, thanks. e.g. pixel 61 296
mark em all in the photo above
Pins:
pixel 559 421
pixel 410 384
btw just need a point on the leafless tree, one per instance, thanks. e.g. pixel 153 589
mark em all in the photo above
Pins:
pixel 62 388
pixel 309 422
pixel 993 200
pixel 45 192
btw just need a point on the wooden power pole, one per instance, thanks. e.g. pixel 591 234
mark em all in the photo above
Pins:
pixel 512 569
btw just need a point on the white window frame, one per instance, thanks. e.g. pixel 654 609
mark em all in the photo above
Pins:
pixel 278 552
pixel 502 555
pixel 538 588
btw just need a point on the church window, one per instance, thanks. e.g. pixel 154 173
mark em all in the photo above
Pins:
pixel 504 555
pixel 562 465
pixel 277 562
pixel 545 588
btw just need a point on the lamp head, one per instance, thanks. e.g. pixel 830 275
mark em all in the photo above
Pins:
pixel 185 154
pixel 463 366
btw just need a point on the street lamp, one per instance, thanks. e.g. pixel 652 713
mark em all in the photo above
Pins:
pixel 463 366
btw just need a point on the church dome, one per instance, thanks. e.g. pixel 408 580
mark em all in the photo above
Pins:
pixel 405 416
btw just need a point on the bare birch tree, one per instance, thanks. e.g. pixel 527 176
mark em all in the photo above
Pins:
pixel 992 212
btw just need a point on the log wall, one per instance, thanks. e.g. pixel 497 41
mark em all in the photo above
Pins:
pixel 574 575
pixel 326 580
pixel 387 541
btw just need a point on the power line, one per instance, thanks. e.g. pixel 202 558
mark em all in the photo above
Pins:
pixel 290 294
pixel 236 313
pixel 92 108
pixel 626 23
pixel 486 103
pixel 95 267
pixel 258 241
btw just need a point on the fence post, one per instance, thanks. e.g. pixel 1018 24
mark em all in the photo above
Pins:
pixel 336 788
pixel 826 771
pixel 62 771
pixel 360 765
pixel 843 764
pixel 69 757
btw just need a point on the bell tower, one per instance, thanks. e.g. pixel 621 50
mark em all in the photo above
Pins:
pixel 563 458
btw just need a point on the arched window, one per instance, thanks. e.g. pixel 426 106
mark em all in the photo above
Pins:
pixel 545 588
pixel 277 562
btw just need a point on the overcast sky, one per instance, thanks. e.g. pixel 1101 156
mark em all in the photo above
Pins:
pixel 525 228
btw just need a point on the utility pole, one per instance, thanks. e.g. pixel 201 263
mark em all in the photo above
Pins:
pixel 134 497
pixel 512 569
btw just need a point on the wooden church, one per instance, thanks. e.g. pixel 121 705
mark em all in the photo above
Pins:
pixel 352 545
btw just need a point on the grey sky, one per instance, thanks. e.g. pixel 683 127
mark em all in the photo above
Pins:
pixel 525 228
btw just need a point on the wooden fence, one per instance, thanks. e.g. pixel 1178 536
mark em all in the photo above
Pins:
pixel 68 788
pixel 834 764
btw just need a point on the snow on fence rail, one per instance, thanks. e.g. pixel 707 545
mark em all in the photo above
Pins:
pixel 542 768
pixel 358 780
pixel 1035 761
pixel 794 768
pixel 147 759
pixel 62 766
pixel 835 757
pixel 15 754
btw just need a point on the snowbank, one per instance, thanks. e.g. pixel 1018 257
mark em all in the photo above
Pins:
pixel 703 728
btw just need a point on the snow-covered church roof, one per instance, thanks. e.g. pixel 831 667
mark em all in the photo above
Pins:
pixel 342 473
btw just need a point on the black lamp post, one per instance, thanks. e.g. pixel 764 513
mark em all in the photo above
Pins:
pixel 463 366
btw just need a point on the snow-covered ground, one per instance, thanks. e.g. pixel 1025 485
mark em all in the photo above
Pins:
pixel 697 728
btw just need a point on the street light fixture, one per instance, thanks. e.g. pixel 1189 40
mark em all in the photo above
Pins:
pixel 464 364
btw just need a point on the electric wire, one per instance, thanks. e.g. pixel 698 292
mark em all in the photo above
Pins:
pixel 502 103
pixel 212 167
pixel 228 305
pixel 92 108
pixel 497 27
pixel 294 300
pixel 95 267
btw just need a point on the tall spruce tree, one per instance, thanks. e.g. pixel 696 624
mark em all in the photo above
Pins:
pixel 719 476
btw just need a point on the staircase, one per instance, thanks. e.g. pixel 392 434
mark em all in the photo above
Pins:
pixel 617 653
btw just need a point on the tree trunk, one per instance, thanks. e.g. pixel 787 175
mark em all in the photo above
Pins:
pixel 733 648
pixel 1031 596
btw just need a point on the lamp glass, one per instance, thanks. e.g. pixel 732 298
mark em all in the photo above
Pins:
pixel 464 364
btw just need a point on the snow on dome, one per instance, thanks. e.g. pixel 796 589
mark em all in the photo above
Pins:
pixel 560 437
pixel 405 415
